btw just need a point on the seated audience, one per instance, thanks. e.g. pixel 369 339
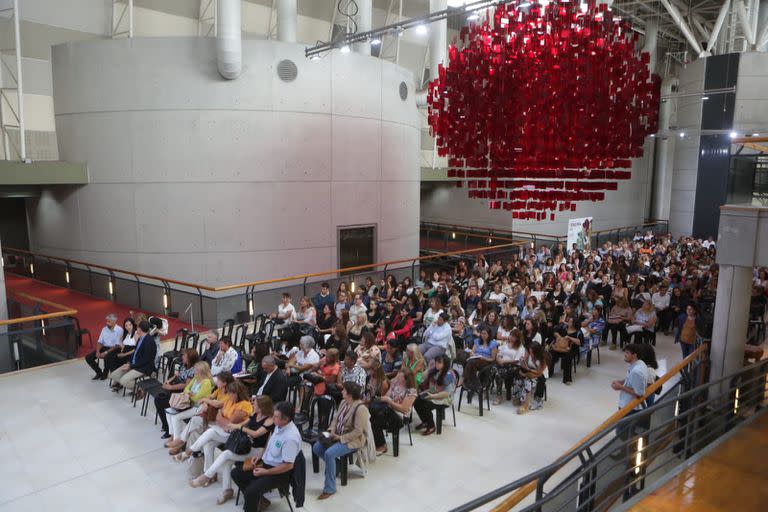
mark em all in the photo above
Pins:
pixel 272 382
pixel 367 351
pixel 387 413
pixel 226 358
pixel 345 435
pixel 509 357
pixel 273 467
pixel 484 353
pixel 108 343
pixel 436 338
pixel 258 427
pixel 438 392
pixel 176 383
pixel 142 360
pixel 351 371
pixel 533 371
pixel 415 362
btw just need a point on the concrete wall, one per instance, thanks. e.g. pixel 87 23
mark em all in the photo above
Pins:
pixel 216 181
pixel 685 163
pixel 444 203
pixel 751 115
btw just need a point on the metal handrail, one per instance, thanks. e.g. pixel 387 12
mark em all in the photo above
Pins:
pixel 559 238
pixel 64 310
pixel 523 487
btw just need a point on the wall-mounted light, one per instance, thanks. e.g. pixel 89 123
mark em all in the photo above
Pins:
pixel 352 287
pixel 315 57
pixel 490 241
pixel 250 307
pixel 682 134
pixel 42 324
pixel 344 49
pixel 453 235
pixel 375 41
pixel 677 409
pixel 421 29
pixel 705 98
pixel 639 455
pixel 2 261
pixel 66 276
pixel 111 288
pixel 32 268
pixel 736 402
pixel 165 301
pixel 733 135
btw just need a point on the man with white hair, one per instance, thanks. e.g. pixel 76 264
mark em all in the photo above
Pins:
pixel 109 341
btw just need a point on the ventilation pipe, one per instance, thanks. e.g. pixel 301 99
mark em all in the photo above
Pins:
pixel 651 41
pixel 229 43
pixel 364 24
pixel 662 175
pixel 286 21
pixel 438 43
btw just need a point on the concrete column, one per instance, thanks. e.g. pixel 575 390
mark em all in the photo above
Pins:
pixel 742 243
pixel 729 332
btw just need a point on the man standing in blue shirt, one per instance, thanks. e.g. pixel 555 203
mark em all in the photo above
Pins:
pixel 633 386
pixel 109 341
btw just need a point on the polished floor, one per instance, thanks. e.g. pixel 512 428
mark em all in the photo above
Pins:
pixel 67 443
pixel 734 476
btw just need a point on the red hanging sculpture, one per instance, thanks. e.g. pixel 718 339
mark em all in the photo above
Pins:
pixel 539 106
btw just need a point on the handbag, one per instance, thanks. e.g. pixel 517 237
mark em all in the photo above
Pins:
pixel 180 401
pixel 238 442
pixel 561 344
pixel 326 441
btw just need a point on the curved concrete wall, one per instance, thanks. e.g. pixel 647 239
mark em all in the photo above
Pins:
pixel 216 181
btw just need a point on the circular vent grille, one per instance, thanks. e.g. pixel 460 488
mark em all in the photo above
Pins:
pixel 287 71
pixel 403 91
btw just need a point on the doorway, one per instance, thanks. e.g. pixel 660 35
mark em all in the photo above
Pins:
pixel 357 245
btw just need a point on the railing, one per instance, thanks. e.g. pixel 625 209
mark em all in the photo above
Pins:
pixel 633 449
pixel 34 337
pixel 447 236
pixel 159 294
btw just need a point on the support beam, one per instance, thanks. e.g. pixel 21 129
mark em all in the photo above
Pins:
pixel 19 81
pixel 746 25
pixel 718 25
pixel 684 28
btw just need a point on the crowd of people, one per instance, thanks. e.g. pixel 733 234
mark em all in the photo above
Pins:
pixel 391 348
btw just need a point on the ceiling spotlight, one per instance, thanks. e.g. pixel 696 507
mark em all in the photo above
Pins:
pixel 653 135
pixel 682 134
pixel 345 49
pixel 734 135
pixel 705 97
pixel 315 57
pixel 421 29
pixel 375 41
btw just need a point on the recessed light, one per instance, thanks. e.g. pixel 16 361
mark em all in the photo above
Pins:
pixel 345 49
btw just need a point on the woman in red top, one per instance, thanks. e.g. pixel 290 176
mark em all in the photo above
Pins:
pixel 401 326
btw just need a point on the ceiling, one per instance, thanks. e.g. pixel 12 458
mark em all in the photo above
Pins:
pixel 699 14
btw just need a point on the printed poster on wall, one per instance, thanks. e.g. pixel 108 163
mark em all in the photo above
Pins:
pixel 579 233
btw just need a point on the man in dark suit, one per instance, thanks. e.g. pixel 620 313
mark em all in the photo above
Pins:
pixel 272 382
pixel 142 362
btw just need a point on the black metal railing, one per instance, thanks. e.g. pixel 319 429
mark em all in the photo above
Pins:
pixel 618 462
pixel 32 341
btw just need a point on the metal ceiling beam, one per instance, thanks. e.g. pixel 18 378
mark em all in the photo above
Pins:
pixel 678 19
pixel 744 21
pixel 718 25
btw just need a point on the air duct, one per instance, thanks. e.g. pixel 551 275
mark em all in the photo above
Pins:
pixel 364 20
pixel 229 44
pixel 286 20
pixel 438 44
pixel 651 42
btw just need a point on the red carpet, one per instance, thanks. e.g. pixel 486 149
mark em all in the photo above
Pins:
pixel 91 311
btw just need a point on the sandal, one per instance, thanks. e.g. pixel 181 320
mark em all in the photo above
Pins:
pixel 201 481
pixel 227 495
pixel 181 457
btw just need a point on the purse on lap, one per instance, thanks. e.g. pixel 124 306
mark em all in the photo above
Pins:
pixel 180 401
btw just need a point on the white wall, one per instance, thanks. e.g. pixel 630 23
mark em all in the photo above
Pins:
pixel 217 181
pixel 623 207
pixel 751 114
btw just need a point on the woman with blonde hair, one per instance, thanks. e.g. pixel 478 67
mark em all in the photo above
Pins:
pixel 258 427
pixel 198 388
pixel 306 313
